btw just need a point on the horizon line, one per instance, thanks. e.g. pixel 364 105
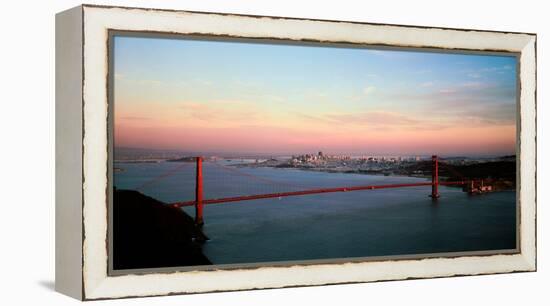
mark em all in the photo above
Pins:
pixel 236 153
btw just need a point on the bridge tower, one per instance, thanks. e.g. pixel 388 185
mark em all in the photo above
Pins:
pixel 198 193
pixel 435 177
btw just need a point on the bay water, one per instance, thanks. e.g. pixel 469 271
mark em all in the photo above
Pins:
pixel 397 221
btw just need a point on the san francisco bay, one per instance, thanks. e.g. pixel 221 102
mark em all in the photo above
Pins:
pixel 400 221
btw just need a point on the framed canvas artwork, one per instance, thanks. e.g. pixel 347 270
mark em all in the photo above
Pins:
pixel 205 152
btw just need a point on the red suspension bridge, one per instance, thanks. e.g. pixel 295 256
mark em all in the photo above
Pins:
pixel 200 200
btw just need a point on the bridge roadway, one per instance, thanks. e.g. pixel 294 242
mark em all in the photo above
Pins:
pixel 310 191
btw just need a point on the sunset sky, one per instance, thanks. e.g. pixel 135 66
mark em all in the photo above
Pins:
pixel 234 97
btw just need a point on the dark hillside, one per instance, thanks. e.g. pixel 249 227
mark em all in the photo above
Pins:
pixel 501 170
pixel 149 234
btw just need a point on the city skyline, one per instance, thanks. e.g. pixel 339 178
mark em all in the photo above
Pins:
pixel 213 96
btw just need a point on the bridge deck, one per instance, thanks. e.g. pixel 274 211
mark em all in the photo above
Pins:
pixel 310 191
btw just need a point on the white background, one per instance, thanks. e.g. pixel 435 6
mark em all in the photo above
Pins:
pixel 27 153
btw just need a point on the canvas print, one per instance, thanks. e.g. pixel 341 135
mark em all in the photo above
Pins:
pixel 239 152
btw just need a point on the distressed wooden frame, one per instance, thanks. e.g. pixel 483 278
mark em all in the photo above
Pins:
pixel 82 155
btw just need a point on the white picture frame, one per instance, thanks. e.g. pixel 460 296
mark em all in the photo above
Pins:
pixel 82 154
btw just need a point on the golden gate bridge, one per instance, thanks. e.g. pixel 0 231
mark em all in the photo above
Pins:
pixel 200 200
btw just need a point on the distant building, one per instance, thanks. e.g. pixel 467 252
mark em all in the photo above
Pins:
pixel 477 187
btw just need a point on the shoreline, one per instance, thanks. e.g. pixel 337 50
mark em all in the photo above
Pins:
pixel 500 184
pixel 374 173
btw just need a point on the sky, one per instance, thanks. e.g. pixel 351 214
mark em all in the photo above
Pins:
pixel 257 98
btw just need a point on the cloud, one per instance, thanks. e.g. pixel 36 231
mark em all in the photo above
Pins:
pixel 427 84
pixel 483 72
pixel 502 115
pixel 496 69
pixel 382 53
pixel 221 111
pixel 475 85
pixel 316 119
pixel 387 121
pixel 467 87
pixel 422 71
pixel 369 90
pixel 389 53
pixel 135 118
pixel 194 106
pixel 473 103
pixel 203 82
pixel 363 119
pixel 149 82
pixel 374 118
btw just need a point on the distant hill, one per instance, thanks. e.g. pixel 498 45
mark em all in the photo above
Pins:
pixel 505 170
pixel 183 159
pixel 128 153
pixel 497 170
